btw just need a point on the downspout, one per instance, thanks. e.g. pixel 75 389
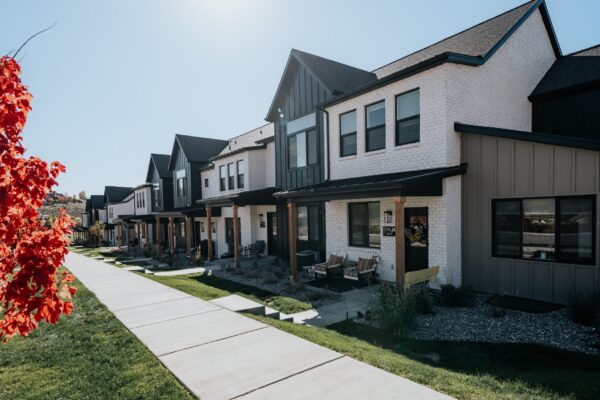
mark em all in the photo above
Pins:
pixel 326 127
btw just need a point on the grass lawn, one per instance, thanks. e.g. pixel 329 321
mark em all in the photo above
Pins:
pixel 89 354
pixel 208 287
pixel 464 370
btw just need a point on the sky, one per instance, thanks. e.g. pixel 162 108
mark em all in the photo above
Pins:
pixel 114 80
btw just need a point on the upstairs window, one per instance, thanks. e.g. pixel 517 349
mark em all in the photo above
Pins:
pixel 348 134
pixel 222 178
pixel 408 119
pixel 302 142
pixel 156 194
pixel 231 176
pixel 181 184
pixel 205 182
pixel 375 133
pixel 240 174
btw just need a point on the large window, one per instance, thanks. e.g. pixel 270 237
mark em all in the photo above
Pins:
pixel 348 134
pixel 222 178
pixel 181 183
pixel 156 194
pixel 303 149
pixel 231 176
pixel 240 174
pixel 365 224
pixel 408 120
pixel 308 223
pixel 551 229
pixel 375 134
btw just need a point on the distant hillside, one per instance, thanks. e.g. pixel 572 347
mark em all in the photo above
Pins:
pixel 55 202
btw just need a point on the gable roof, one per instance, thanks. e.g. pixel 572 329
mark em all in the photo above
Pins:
pixel 568 74
pixel 160 162
pixel 97 201
pixel 473 46
pixel 590 51
pixel 196 149
pixel 116 194
pixel 334 76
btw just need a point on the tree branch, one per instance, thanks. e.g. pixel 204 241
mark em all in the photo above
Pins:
pixel 31 37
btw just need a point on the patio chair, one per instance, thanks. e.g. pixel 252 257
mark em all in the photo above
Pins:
pixel 257 248
pixel 334 263
pixel 364 269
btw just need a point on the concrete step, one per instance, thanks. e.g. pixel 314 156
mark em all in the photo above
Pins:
pixel 239 304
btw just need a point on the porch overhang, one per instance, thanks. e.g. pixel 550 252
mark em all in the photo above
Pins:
pixel 260 197
pixel 427 182
pixel 194 211
pixel 137 218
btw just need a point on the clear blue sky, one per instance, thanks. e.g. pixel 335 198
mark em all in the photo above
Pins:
pixel 115 79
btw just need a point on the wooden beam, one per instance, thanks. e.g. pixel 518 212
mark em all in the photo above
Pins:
pixel 171 237
pixel 292 237
pixel 158 235
pixel 188 236
pixel 209 231
pixel 400 251
pixel 236 236
pixel 139 236
pixel 127 235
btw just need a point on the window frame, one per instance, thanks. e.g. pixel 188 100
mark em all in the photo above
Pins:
pixel 343 135
pixel 306 148
pixel 349 221
pixel 231 176
pixel 311 210
pixel 418 116
pixel 367 129
pixel 222 177
pixel 557 218
pixel 240 177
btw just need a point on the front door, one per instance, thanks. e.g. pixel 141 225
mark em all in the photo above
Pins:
pixel 416 238
pixel 229 234
pixel 272 233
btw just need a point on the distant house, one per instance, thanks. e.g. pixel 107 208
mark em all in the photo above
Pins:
pixel 118 201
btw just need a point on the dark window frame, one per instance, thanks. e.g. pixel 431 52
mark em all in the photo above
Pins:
pixel 349 221
pixel 240 177
pixel 367 130
pixel 343 135
pixel 311 210
pixel 222 177
pixel 306 134
pixel 205 182
pixel 231 176
pixel 398 121
pixel 557 244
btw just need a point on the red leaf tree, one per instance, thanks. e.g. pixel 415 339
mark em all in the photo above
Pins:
pixel 30 253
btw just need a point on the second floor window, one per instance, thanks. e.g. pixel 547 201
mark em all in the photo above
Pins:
pixel 240 174
pixel 156 194
pixel 222 178
pixel 205 182
pixel 231 176
pixel 181 183
pixel 303 149
pixel 375 134
pixel 348 134
pixel 408 120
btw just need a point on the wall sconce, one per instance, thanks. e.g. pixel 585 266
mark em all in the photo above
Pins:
pixel 387 216
pixel 261 220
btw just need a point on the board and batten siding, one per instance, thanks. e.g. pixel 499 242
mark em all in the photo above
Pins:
pixel 506 168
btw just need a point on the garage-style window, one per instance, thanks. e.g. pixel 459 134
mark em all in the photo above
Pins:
pixel 547 229
pixel 408 120
pixel 375 134
pixel 348 134
pixel 365 224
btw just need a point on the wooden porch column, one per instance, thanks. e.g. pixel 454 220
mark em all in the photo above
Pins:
pixel 236 236
pixel 158 235
pixel 292 237
pixel 171 238
pixel 400 251
pixel 139 237
pixel 127 234
pixel 188 236
pixel 209 231
pixel 146 233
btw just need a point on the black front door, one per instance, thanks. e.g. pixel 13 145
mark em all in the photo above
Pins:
pixel 229 233
pixel 272 233
pixel 416 239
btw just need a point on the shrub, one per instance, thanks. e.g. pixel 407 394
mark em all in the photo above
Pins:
pixel 452 296
pixel 423 299
pixel 293 287
pixel 498 312
pixel 584 307
pixel 270 279
pixel 395 310
pixel 315 295
pixel 252 273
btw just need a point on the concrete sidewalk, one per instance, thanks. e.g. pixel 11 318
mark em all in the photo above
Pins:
pixel 219 354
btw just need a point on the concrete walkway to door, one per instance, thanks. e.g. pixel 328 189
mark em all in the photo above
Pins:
pixel 219 354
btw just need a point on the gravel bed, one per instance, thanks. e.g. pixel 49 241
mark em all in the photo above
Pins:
pixel 478 324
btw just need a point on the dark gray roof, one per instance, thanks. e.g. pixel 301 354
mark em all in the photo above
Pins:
pixel 115 194
pixel 197 149
pixel 590 51
pixel 568 73
pixel 97 201
pixel 161 163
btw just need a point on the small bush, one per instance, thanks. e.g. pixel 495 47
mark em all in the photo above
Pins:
pixel 395 310
pixel 270 279
pixel 293 288
pixel 423 300
pixel 252 273
pixel 315 295
pixel 498 312
pixel 584 308
pixel 452 296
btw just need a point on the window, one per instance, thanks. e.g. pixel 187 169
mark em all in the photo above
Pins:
pixel 156 194
pixel 303 149
pixel 240 174
pixel 408 120
pixel 222 178
pixel 348 134
pixel 181 184
pixel 551 229
pixel 303 223
pixel 308 223
pixel 365 224
pixel 375 135
pixel 205 182
pixel 231 176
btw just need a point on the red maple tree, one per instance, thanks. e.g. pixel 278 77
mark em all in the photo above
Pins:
pixel 31 289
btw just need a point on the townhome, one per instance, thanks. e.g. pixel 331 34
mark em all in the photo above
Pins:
pixel 161 181
pixel 93 205
pixel 141 218
pixel 118 201
pixel 238 186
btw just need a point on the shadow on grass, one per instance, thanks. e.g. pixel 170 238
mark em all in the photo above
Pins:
pixel 565 373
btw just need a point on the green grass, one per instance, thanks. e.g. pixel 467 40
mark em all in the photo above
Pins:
pixel 89 354
pixel 464 370
pixel 208 287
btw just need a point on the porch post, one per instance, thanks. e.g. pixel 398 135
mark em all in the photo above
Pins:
pixel 171 236
pixel 209 231
pixel 236 237
pixel 139 237
pixel 127 235
pixel 146 233
pixel 292 233
pixel 400 251
pixel 158 235
pixel 188 236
